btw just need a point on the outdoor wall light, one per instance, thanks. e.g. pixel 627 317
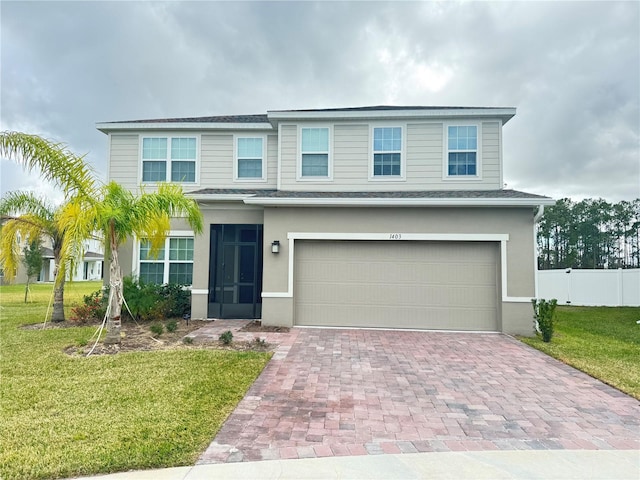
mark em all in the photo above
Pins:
pixel 275 246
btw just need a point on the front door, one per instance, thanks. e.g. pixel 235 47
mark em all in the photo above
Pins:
pixel 235 271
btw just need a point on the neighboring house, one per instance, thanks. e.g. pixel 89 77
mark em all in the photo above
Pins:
pixel 90 268
pixel 382 216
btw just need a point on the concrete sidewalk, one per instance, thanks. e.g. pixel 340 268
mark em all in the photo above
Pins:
pixel 514 464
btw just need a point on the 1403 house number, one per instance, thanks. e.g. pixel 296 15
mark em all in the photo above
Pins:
pixel 395 236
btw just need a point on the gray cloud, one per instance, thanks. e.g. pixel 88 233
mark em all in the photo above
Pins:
pixel 571 68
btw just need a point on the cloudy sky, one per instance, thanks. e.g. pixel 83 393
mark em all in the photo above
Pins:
pixel 572 69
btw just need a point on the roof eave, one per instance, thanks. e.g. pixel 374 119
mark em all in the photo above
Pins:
pixel 221 197
pixel 399 202
pixel 109 127
pixel 505 114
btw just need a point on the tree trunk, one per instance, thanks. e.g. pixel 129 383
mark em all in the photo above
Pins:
pixel 115 295
pixel 26 290
pixel 58 302
pixel 58 290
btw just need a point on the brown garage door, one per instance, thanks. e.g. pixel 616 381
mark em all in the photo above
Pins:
pixel 397 284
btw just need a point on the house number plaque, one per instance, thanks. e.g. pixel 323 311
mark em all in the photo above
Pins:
pixel 395 236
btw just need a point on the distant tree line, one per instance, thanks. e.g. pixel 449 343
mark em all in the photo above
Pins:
pixel 590 234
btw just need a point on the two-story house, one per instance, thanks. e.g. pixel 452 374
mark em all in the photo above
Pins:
pixel 382 216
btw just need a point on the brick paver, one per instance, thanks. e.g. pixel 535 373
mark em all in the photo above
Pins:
pixel 330 392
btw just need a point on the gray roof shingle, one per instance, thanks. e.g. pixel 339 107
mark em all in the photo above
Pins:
pixel 264 118
pixel 257 118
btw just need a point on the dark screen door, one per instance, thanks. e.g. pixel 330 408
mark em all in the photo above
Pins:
pixel 235 271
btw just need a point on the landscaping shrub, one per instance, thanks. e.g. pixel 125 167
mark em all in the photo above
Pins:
pixel 171 326
pixel 543 312
pixel 140 297
pixel 93 307
pixel 179 299
pixel 150 301
pixel 226 337
pixel 156 329
pixel 146 301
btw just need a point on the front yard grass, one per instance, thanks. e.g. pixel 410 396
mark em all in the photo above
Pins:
pixel 601 341
pixel 63 416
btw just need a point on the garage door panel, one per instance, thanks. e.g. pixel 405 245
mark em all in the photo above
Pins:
pixel 402 272
pixel 434 285
pixel 400 294
pixel 439 318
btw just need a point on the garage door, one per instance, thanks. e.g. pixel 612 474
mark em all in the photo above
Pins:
pixel 425 285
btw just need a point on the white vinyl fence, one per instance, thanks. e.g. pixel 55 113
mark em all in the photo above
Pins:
pixel 591 287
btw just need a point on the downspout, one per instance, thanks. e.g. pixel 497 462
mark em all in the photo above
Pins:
pixel 536 219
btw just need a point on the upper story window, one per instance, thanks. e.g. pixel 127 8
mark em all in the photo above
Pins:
pixel 462 150
pixel 177 267
pixel 315 152
pixel 169 159
pixel 387 152
pixel 250 156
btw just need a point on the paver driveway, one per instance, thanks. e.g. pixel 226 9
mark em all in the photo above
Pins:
pixel 356 392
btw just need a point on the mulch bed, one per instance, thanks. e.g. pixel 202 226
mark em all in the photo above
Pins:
pixel 256 326
pixel 137 337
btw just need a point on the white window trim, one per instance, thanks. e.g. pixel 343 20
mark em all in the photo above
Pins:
pixel 403 154
pixel 169 136
pixel 329 177
pixel 235 160
pixel 445 149
pixel 172 234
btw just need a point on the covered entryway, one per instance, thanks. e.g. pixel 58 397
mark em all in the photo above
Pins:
pixel 235 271
pixel 400 284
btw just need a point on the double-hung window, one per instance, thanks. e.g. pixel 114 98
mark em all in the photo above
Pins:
pixel 169 159
pixel 250 158
pixel 462 150
pixel 176 267
pixel 315 152
pixel 387 152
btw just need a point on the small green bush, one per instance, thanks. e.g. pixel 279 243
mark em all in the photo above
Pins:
pixel 543 312
pixel 157 329
pixel 150 301
pixel 171 326
pixel 140 297
pixel 93 307
pixel 226 337
pixel 179 299
pixel 187 340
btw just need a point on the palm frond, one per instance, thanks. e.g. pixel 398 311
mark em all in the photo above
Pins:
pixel 28 228
pixel 54 161
pixel 17 202
pixel 77 220
pixel 170 199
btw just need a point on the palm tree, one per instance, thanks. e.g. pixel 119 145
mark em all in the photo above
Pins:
pixel 24 215
pixel 120 215
pixel 91 207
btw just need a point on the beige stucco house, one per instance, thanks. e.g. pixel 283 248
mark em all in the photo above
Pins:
pixel 384 216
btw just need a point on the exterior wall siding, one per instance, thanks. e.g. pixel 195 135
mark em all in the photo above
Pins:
pixel 124 160
pixel 217 157
pixel 215 163
pixel 424 163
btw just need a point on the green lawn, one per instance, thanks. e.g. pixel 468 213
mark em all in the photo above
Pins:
pixel 601 341
pixel 62 416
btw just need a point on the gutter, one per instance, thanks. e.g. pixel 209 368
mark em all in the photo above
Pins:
pixel 109 127
pixel 222 197
pixel 397 202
